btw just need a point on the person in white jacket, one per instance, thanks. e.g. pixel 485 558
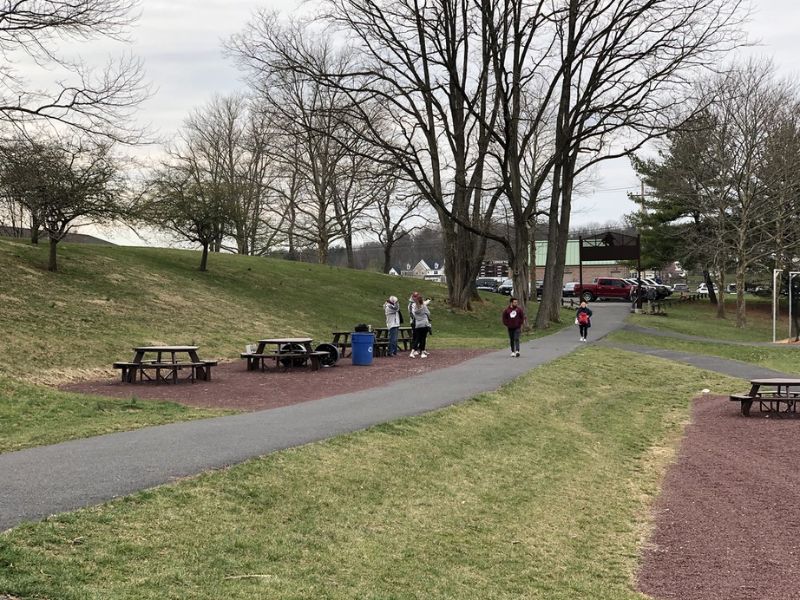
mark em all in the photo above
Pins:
pixel 392 309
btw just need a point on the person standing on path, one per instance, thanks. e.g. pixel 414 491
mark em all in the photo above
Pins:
pixel 421 322
pixel 583 319
pixel 514 319
pixel 393 319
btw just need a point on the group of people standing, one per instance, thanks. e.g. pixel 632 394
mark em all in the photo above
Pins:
pixel 420 318
pixel 419 315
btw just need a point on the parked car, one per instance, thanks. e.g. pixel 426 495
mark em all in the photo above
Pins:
pixel 487 284
pixel 605 287
pixel 570 290
pixel 539 288
pixel 680 287
pixel 507 287
pixel 702 289
pixel 662 291
pixel 762 291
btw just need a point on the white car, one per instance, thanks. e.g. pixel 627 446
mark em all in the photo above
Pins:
pixel 703 289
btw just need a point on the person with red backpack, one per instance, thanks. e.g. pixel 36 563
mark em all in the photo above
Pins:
pixel 583 319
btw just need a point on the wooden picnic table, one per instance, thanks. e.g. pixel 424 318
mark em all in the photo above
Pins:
pixel 198 368
pixel 288 351
pixel 405 336
pixel 781 390
pixel 341 339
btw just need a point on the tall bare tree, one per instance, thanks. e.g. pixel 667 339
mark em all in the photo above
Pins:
pixel 626 66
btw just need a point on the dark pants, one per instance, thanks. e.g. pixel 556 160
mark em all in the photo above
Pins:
pixel 513 338
pixel 420 336
pixel 584 329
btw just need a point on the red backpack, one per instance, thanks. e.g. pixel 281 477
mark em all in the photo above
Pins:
pixel 583 318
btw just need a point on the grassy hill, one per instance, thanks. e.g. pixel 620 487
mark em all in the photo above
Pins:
pixel 73 324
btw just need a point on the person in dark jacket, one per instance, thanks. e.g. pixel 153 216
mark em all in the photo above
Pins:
pixel 583 319
pixel 514 319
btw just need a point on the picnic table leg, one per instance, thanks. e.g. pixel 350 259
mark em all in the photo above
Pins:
pixel 201 371
pixel 746 404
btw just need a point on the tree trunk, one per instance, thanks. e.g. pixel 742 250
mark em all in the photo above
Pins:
pixel 741 316
pixel 35 226
pixel 387 256
pixel 348 246
pixel 520 275
pixel 204 258
pixel 712 294
pixel 721 299
pixel 51 263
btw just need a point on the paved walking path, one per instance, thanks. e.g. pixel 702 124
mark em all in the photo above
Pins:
pixel 696 338
pixel 734 368
pixel 52 479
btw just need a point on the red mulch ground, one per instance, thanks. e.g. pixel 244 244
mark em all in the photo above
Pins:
pixel 232 386
pixel 727 523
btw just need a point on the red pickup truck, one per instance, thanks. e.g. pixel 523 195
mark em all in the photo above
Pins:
pixel 604 287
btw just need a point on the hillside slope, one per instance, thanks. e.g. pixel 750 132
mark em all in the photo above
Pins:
pixel 73 324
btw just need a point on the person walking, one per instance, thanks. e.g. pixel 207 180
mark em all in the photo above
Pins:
pixel 393 319
pixel 514 319
pixel 421 322
pixel 583 319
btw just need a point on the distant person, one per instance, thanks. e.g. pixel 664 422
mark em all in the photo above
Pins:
pixel 394 317
pixel 514 319
pixel 583 318
pixel 421 322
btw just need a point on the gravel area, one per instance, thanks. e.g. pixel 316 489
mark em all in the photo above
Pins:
pixel 725 524
pixel 232 386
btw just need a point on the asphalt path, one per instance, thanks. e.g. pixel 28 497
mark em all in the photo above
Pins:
pixel 51 479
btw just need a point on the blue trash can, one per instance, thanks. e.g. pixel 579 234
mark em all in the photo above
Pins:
pixel 362 347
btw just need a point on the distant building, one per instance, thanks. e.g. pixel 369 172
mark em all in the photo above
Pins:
pixel 494 268
pixel 423 270
pixel 394 272
pixel 591 270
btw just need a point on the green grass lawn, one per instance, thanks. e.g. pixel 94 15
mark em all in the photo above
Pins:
pixel 32 415
pixel 699 318
pixel 539 490
pixel 786 360
pixel 105 300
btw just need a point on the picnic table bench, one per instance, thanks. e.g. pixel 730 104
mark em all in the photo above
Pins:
pixel 166 366
pixel 770 400
pixel 289 352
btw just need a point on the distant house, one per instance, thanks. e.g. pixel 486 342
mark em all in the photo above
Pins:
pixel 394 271
pixel 423 270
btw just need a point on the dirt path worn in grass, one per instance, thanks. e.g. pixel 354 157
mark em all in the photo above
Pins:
pixel 727 524
pixel 232 386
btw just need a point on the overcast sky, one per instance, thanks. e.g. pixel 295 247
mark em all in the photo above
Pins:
pixel 180 42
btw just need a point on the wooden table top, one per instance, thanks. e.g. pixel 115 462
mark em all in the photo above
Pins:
pixel 286 341
pixel 166 348
pixel 776 381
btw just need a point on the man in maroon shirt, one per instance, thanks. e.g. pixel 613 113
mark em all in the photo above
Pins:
pixel 514 319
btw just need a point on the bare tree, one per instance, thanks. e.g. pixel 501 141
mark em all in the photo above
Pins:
pixel 626 66
pixel 65 182
pixel 186 201
pixel 95 102
pixel 229 139
pixel 393 211
pixel 415 61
